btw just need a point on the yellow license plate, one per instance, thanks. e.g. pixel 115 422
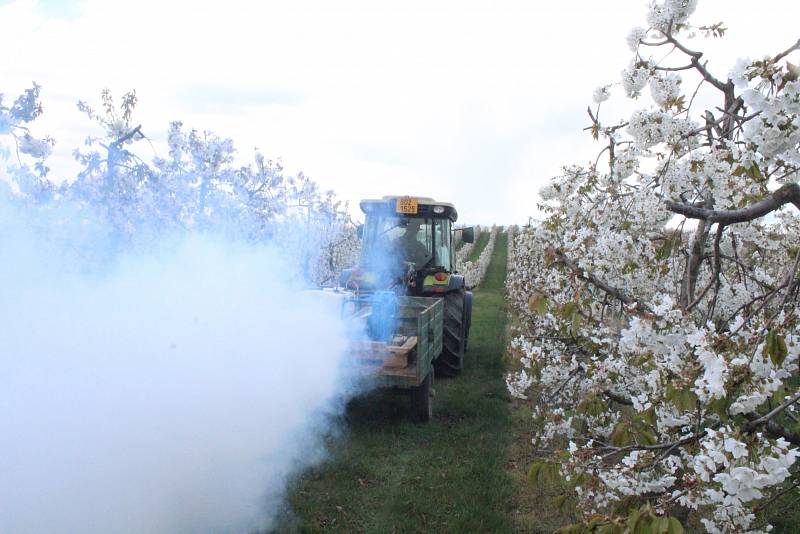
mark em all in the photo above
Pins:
pixel 407 205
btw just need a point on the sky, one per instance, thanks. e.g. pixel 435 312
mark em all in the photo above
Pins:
pixel 475 103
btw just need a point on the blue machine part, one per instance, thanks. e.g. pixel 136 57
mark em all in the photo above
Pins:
pixel 382 321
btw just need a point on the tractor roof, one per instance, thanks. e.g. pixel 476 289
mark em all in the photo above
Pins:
pixel 425 206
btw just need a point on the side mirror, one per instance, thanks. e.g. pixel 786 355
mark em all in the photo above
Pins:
pixel 468 235
pixel 360 231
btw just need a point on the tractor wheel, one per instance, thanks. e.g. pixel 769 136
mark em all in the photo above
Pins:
pixel 421 405
pixel 451 360
pixel 468 316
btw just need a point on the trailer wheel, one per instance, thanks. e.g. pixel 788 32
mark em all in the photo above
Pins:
pixel 421 403
pixel 451 361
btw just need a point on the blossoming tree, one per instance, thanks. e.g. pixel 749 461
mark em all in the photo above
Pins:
pixel 197 186
pixel 657 302
pixel 475 272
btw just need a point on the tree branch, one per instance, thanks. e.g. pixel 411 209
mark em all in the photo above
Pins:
pixel 754 421
pixel 715 274
pixel 717 270
pixel 572 375
pixel 674 69
pixel 617 398
pixel 657 447
pixel 795 46
pixel 788 193
pixel 695 258
pixel 119 142
pixel 777 430
pixel 775 497
pixel 595 281
pixel 707 76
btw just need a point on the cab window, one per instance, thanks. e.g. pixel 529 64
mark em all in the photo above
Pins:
pixel 441 229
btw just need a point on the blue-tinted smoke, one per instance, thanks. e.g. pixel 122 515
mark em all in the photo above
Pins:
pixel 167 387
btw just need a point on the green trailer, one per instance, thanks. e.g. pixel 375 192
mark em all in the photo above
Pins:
pixel 406 360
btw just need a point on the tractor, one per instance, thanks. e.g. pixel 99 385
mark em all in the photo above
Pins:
pixel 408 250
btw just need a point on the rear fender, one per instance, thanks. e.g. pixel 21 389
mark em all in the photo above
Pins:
pixel 451 282
pixel 456 282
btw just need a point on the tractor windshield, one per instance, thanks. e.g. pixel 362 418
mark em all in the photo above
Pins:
pixel 390 240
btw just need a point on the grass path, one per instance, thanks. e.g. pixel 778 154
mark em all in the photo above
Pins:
pixel 387 474
pixel 480 244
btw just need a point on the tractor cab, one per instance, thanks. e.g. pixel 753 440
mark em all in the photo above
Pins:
pixel 404 241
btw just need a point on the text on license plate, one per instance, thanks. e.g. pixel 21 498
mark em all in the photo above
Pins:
pixel 408 205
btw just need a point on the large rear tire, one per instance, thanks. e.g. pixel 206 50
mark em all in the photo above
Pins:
pixel 468 318
pixel 451 360
pixel 421 404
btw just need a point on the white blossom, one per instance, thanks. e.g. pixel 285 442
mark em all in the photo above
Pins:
pixel 634 78
pixel 635 37
pixel 738 74
pixel 664 88
pixel 601 94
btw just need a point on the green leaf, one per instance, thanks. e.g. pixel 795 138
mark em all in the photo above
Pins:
pixel 593 406
pixel 783 350
pixel 675 526
pixel 778 395
pixel 633 519
pixel 621 436
pixel 665 250
pixel 720 406
pixel 684 399
pixel 542 305
pixel 646 437
pixel 559 500
pixel 644 526
pixel 538 304
pixel 775 347
pixel 576 322
pixel 755 173
pixel 554 472
pixel 544 472
pixel 649 416
pixel 571 312
pixel 533 472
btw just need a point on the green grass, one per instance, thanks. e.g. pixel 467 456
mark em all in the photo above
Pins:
pixel 387 474
pixel 533 509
